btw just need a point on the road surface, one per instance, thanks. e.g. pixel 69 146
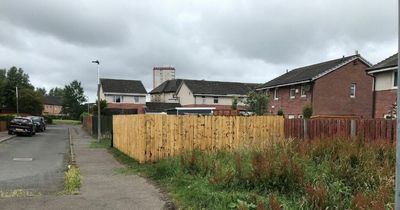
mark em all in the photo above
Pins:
pixel 35 163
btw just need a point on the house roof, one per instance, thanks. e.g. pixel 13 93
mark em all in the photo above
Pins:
pixel 169 86
pixel 160 107
pixel 311 72
pixel 218 87
pixel 122 86
pixel 387 63
pixel 53 100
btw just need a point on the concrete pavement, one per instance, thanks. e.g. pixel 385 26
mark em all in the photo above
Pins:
pixel 101 187
pixel 4 136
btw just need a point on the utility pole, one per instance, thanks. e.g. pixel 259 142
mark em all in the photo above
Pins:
pixel 98 100
pixel 397 187
pixel 16 96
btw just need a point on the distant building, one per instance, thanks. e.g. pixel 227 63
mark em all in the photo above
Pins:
pixel 123 95
pixel 202 93
pixel 338 87
pixel 385 87
pixel 52 105
pixel 162 74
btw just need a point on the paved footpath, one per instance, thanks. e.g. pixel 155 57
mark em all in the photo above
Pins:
pixel 101 187
pixel 4 136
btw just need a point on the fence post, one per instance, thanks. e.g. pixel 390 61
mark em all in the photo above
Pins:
pixel 305 129
pixel 353 129
pixel 112 139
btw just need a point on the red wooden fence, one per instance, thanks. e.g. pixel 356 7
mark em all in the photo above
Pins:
pixel 366 129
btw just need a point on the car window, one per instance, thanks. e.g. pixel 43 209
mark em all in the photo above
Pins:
pixel 21 120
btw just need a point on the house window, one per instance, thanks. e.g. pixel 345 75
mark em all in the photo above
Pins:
pixel 136 99
pixel 276 94
pixel 292 92
pixel 303 91
pixel 395 79
pixel 353 90
pixel 216 100
pixel 203 98
pixel 291 116
pixel 118 99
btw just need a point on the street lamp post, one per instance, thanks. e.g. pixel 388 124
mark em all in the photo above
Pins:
pixel 17 99
pixel 397 176
pixel 98 99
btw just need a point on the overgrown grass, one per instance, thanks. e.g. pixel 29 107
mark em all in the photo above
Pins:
pixel 66 122
pixel 104 143
pixel 72 181
pixel 331 174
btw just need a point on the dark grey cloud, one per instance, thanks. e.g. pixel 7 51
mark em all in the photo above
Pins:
pixel 249 41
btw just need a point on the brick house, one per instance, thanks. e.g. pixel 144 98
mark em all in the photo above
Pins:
pixel 338 87
pixel 385 87
pixel 52 105
pixel 202 93
pixel 123 94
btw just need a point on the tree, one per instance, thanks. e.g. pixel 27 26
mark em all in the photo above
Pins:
pixel 257 102
pixel 30 101
pixel 14 78
pixel 56 91
pixel 235 102
pixel 73 99
pixel 41 91
pixel 103 105
pixel 3 80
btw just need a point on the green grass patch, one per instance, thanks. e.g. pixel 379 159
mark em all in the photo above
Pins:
pixel 104 143
pixel 66 122
pixel 72 180
pixel 18 193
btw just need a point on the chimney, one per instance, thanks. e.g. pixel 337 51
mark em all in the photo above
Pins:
pixel 357 52
pixel 287 70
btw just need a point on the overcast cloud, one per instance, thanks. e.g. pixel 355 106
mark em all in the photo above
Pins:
pixel 228 40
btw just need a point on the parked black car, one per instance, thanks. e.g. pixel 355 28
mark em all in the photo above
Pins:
pixel 22 125
pixel 39 122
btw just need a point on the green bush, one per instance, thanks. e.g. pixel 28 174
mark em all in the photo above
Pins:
pixel 280 112
pixel 307 112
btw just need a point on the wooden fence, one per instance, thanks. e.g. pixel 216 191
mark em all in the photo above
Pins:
pixel 3 125
pixel 153 137
pixel 365 129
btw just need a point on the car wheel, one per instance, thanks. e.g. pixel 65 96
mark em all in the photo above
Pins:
pixel 10 132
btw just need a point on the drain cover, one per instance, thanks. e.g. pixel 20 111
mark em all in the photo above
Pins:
pixel 23 159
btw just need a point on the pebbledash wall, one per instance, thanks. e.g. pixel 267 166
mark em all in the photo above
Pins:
pixel 330 94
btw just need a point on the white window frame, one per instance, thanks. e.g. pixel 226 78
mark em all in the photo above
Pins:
pixel 121 99
pixel 290 92
pixel 216 99
pixel 303 89
pixel 353 88
pixel 291 116
pixel 276 97
pixel 138 99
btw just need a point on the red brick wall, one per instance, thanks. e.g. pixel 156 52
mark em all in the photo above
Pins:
pixel 87 124
pixel 139 107
pixel 384 101
pixel 289 106
pixel 331 93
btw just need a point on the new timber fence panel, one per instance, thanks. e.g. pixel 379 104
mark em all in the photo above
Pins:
pixel 152 137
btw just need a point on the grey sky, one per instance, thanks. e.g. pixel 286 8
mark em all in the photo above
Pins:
pixel 229 40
